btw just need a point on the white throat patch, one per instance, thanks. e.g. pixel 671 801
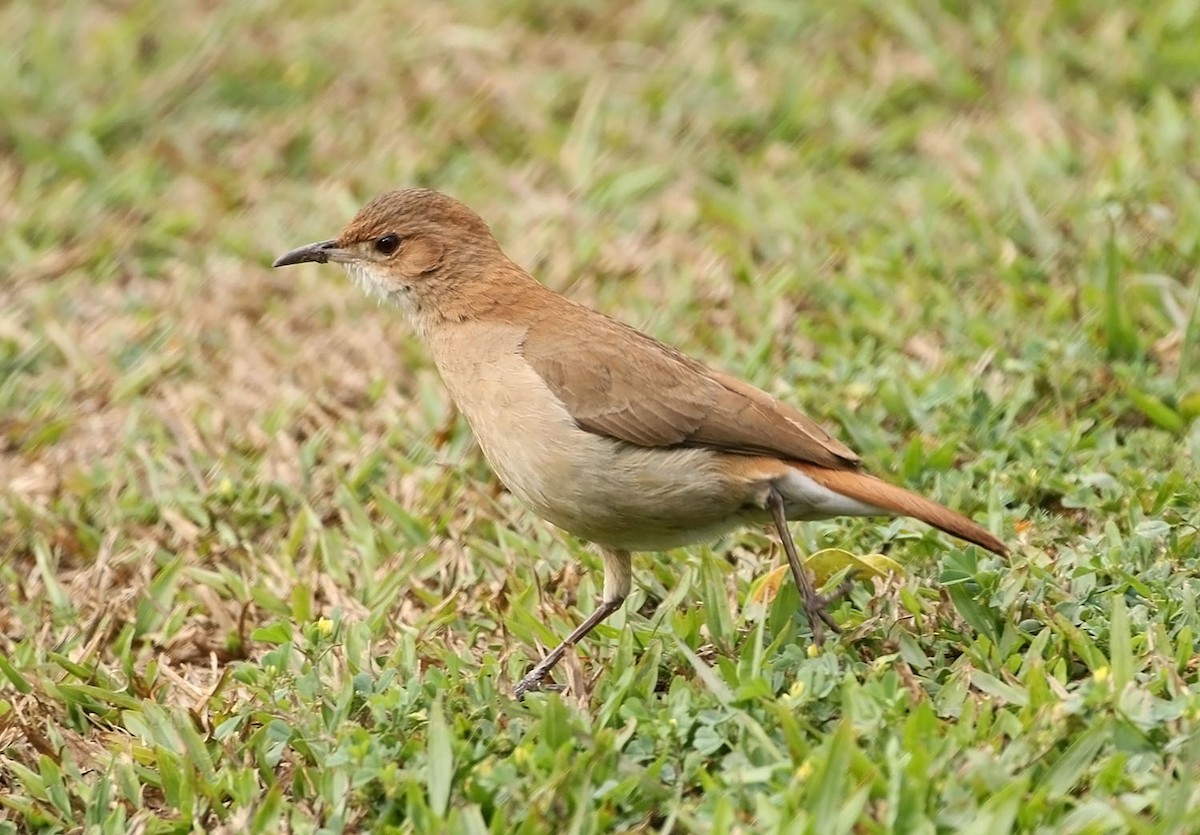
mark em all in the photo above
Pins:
pixel 366 277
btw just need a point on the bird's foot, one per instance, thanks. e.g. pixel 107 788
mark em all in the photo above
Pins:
pixel 817 609
pixel 529 684
pixel 534 682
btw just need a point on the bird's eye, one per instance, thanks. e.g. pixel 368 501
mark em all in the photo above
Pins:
pixel 387 244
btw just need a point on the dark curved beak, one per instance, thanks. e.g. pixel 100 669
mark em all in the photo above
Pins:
pixel 321 252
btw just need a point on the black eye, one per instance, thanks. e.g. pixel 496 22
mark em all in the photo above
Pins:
pixel 387 244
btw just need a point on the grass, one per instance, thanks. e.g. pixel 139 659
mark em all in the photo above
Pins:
pixel 255 576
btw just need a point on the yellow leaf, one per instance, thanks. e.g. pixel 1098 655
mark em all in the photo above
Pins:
pixel 824 564
pixel 767 586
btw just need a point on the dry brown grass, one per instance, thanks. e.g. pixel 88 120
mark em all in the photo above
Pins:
pixel 898 218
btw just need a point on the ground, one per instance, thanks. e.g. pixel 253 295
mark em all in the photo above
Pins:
pixel 256 577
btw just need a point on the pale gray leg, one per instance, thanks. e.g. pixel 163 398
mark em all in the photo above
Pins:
pixel 816 606
pixel 618 574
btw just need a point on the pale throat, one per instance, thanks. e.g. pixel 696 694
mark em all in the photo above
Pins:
pixel 377 286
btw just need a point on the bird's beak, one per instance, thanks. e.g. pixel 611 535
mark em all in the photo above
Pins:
pixel 321 252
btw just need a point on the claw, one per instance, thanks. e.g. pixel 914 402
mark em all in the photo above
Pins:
pixel 843 589
pixel 532 683
pixel 816 609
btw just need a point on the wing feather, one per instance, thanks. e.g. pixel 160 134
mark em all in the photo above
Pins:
pixel 619 382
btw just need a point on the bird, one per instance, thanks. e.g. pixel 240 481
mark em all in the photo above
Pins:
pixel 598 428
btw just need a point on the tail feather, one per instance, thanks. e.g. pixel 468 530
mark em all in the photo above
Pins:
pixel 870 490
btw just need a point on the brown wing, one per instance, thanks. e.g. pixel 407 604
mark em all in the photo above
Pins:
pixel 617 381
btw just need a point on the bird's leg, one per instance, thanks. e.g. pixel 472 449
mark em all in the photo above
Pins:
pixel 816 605
pixel 617 582
pixel 533 679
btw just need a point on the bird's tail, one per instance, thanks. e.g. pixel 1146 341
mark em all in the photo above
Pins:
pixel 888 497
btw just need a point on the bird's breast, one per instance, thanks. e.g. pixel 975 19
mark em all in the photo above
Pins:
pixel 600 489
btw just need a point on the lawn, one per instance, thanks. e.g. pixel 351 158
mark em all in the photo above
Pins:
pixel 256 577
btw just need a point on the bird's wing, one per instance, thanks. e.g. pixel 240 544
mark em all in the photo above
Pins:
pixel 619 382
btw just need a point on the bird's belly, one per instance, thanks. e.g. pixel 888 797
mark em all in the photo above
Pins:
pixel 628 497
pixel 600 489
pixel 612 493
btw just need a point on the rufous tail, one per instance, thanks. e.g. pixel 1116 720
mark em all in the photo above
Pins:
pixel 873 491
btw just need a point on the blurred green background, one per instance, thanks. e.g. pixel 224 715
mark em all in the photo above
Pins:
pixel 256 577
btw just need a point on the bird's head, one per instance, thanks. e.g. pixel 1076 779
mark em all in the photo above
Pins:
pixel 415 247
